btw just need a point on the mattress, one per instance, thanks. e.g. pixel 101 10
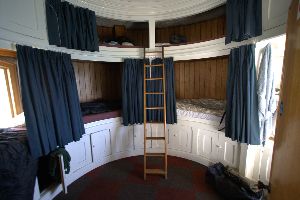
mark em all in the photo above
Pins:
pixel 98 107
pixel 208 109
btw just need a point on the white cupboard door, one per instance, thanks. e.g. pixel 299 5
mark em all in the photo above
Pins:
pixel 138 133
pixel 122 138
pixel 205 143
pixel 101 145
pixel 228 151
pixel 80 153
pixel 157 130
pixel 21 17
pixel 180 137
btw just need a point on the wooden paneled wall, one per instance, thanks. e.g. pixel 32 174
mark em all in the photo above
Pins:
pixel 205 78
pixel 197 32
pixel 139 37
pixel 98 80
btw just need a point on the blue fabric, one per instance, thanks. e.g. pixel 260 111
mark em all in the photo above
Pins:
pixel 71 27
pixel 243 19
pixel 50 99
pixel 242 122
pixel 133 97
pixel 266 94
pixel 157 86
pixel 132 91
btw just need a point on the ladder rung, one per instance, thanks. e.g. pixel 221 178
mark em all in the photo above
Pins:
pixel 153 51
pixel 153 79
pixel 154 93
pixel 155 122
pixel 156 154
pixel 156 65
pixel 154 108
pixel 155 138
pixel 155 171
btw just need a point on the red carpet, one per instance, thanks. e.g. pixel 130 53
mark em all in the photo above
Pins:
pixel 123 180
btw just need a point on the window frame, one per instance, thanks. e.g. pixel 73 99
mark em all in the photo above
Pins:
pixel 12 80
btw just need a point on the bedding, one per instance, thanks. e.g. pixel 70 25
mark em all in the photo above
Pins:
pixel 208 109
pixel 18 168
pixel 97 107
pixel 100 110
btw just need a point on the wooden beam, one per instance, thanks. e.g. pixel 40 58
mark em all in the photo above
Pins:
pixel 8 53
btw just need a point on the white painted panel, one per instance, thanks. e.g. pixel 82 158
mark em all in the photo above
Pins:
pixel 122 138
pixel 80 153
pixel 204 143
pixel 228 151
pixel 23 17
pixel 274 13
pixel 139 136
pixel 101 144
pixel 180 137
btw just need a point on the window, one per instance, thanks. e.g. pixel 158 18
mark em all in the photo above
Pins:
pixel 10 101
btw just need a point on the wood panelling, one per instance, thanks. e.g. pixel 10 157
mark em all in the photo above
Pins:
pixel 204 78
pixel 197 32
pixel 98 80
pixel 285 170
pixel 104 32
pixel 139 37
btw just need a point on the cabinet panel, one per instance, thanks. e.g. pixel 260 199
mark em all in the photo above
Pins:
pixel 205 143
pixel 122 138
pixel 25 18
pixel 180 137
pixel 80 153
pixel 139 136
pixel 157 130
pixel 101 144
pixel 228 151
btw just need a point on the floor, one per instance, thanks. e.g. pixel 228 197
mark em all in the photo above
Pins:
pixel 123 179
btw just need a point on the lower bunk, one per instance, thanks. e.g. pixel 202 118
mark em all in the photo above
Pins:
pixel 194 137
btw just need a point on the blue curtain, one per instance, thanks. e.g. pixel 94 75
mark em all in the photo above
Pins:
pixel 243 19
pixel 50 99
pixel 71 27
pixel 132 91
pixel 242 122
pixel 133 85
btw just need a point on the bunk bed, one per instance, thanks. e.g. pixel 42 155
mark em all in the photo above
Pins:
pixel 207 109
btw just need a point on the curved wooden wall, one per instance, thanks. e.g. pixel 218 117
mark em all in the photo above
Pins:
pixel 98 80
pixel 205 78
pixel 139 37
pixel 197 32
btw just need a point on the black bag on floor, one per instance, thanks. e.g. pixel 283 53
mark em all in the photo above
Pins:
pixel 230 186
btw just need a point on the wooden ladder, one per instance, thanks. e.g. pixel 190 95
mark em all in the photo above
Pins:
pixel 162 138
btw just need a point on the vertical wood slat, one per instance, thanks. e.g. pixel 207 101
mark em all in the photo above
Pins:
pixel 204 78
pixel 98 80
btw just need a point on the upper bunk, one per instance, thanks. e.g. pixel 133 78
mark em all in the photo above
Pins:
pixel 204 37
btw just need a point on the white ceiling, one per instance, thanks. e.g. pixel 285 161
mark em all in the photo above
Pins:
pixel 143 10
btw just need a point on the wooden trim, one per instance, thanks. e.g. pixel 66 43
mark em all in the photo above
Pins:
pixel 6 71
pixel 14 82
pixel 8 53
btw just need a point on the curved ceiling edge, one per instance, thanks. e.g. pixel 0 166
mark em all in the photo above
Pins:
pixel 135 14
